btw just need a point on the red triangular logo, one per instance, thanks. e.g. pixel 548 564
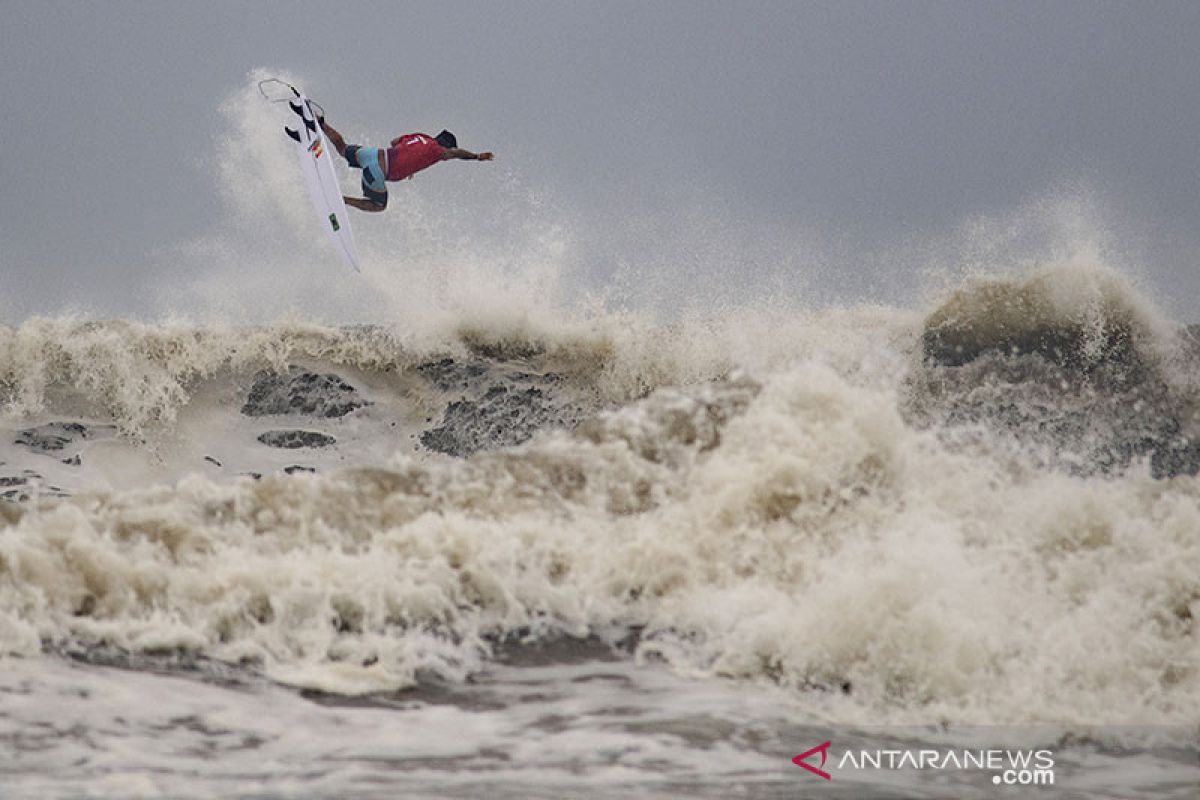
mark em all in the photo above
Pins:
pixel 823 749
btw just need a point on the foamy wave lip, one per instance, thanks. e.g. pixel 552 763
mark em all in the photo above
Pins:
pixel 141 374
pixel 1078 312
pixel 1070 363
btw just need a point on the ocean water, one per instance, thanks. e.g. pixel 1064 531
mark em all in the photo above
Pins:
pixel 509 546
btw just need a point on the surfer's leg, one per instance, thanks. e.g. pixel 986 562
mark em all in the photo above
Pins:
pixel 374 186
pixel 370 161
pixel 335 138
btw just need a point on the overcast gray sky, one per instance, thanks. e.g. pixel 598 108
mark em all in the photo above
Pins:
pixel 875 124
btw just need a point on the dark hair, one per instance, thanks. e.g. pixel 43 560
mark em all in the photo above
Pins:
pixel 446 139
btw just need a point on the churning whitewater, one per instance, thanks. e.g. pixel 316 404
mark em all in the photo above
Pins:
pixel 983 511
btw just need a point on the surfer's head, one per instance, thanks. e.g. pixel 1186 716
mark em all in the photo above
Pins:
pixel 447 139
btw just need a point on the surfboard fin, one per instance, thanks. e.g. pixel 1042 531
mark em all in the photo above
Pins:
pixel 292 134
pixel 308 122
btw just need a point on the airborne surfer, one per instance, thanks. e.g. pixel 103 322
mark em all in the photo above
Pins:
pixel 404 157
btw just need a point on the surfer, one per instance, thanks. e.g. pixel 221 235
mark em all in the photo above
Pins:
pixel 404 157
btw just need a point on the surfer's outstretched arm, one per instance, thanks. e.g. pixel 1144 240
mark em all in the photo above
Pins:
pixel 458 152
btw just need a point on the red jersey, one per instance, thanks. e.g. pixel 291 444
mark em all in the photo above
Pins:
pixel 413 153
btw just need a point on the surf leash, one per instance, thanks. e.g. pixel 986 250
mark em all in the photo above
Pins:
pixel 295 93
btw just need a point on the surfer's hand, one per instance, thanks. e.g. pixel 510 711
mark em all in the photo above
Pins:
pixel 485 156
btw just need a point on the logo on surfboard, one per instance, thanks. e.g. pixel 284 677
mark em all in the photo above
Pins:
pixel 316 149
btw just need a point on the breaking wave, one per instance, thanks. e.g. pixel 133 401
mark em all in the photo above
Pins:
pixel 984 512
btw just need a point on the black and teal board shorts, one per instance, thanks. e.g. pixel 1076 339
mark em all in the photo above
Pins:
pixel 370 161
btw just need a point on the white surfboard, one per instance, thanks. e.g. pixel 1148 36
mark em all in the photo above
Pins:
pixel 316 162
